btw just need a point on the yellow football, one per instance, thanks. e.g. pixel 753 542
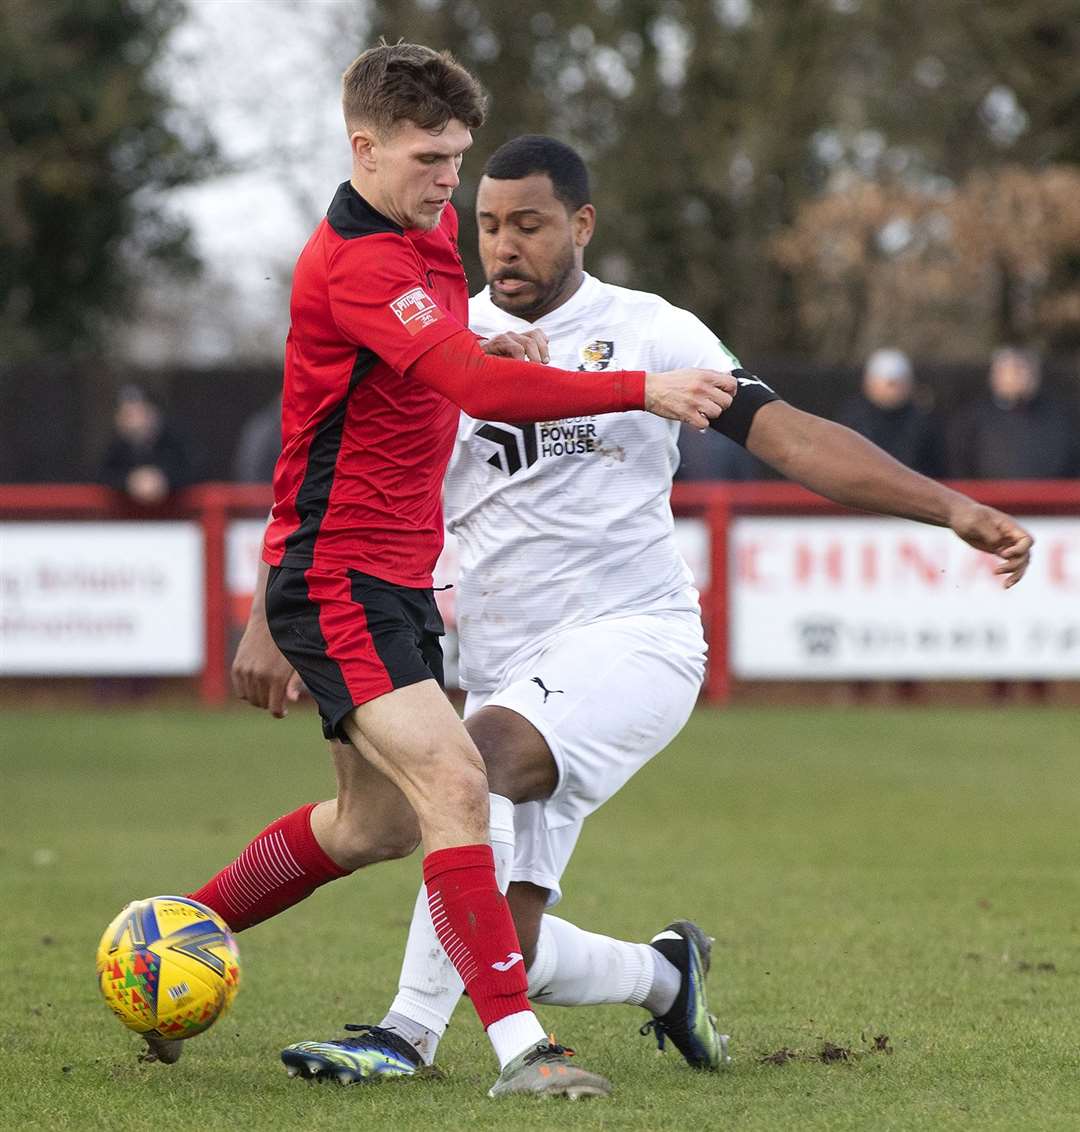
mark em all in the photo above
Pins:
pixel 168 966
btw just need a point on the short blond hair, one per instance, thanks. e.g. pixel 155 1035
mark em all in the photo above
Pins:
pixel 399 82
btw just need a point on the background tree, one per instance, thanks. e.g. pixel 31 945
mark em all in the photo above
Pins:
pixel 711 126
pixel 945 271
pixel 947 221
pixel 696 119
pixel 88 141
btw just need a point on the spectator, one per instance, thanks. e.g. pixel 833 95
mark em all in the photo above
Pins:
pixel 886 413
pixel 259 445
pixel 1018 432
pixel 145 459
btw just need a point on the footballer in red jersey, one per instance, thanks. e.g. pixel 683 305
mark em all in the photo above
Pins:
pixel 378 364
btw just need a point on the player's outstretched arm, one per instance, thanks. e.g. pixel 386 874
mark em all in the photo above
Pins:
pixel 843 466
pixel 260 674
pixel 500 388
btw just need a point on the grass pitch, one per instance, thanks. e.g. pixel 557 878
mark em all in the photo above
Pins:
pixel 895 896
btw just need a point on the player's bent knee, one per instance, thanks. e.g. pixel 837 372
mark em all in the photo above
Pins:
pixel 530 778
pixel 465 792
pixel 367 828
pixel 456 769
pixel 454 808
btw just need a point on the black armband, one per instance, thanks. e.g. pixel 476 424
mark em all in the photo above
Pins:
pixel 734 422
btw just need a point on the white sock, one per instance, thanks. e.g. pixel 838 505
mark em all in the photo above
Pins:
pixel 579 968
pixel 515 1034
pixel 501 832
pixel 429 987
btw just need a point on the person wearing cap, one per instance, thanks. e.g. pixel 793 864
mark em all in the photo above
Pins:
pixel 886 413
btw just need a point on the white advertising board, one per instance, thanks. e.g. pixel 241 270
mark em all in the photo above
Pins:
pixel 864 598
pixel 243 552
pixel 80 599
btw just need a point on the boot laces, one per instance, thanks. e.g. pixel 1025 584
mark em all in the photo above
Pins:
pixel 657 1028
pixel 548 1052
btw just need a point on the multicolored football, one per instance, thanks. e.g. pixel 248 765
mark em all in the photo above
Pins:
pixel 168 966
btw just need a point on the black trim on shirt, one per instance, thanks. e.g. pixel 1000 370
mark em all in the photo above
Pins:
pixel 351 216
pixel 314 493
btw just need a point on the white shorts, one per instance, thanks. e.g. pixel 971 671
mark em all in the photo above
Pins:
pixel 606 697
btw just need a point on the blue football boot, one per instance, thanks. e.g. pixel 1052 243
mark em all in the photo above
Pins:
pixel 688 1024
pixel 374 1055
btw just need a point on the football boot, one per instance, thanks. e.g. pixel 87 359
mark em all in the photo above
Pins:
pixel 545 1070
pixel 165 1050
pixel 373 1055
pixel 688 1024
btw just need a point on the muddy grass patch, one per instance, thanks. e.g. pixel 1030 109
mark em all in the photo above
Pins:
pixel 828 1053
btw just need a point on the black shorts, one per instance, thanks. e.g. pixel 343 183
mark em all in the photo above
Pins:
pixel 352 637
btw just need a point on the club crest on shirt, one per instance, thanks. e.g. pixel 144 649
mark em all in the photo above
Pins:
pixel 415 309
pixel 597 354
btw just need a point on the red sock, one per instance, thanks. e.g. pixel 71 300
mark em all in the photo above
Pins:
pixel 474 926
pixel 282 866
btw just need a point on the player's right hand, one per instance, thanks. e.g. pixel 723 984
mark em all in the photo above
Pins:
pixel 693 396
pixel 524 346
pixel 260 674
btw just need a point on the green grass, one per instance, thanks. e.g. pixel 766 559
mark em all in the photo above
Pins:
pixel 906 873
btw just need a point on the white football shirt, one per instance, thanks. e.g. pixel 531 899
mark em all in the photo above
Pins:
pixel 569 521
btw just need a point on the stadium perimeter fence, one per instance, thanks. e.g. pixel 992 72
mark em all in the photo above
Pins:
pixel 793 587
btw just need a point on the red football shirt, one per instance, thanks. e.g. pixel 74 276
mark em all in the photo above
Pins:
pixel 365 448
pixel 377 363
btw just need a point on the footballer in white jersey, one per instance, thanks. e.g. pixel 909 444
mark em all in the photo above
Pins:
pixel 567 522
pixel 575 610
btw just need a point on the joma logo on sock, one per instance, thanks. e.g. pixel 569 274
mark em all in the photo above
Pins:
pixel 513 958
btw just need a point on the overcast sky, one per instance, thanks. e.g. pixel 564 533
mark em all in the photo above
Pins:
pixel 265 75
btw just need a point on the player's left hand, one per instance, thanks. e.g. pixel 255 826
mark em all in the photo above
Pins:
pixel 528 346
pixel 260 674
pixel 994 532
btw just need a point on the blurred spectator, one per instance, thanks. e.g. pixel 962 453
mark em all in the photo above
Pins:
pixel 707 456
pixel 259 445
pixel 145 459
pixel 886 413
pixel 1018 432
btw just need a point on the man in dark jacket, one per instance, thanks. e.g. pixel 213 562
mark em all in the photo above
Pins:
pixel 1018 432
pixel 145 459
pixel 886 413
